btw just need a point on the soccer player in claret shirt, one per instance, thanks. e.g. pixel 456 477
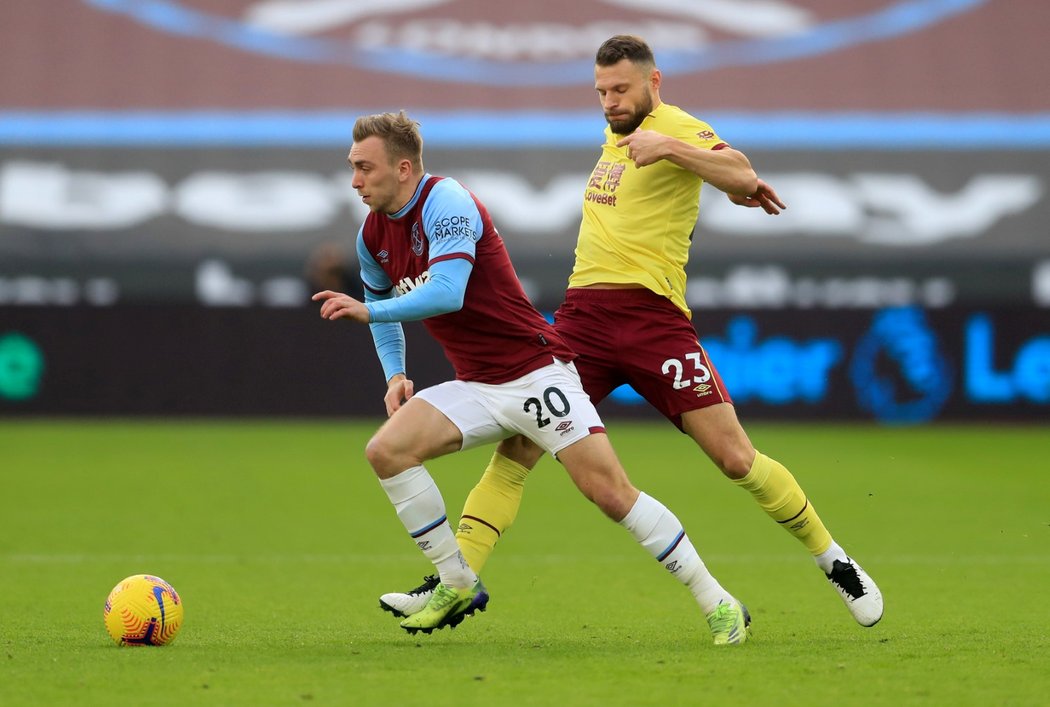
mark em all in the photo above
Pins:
pixel 625 315
pixel 431 242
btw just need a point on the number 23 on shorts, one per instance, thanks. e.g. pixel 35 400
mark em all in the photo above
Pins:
pixel 682 379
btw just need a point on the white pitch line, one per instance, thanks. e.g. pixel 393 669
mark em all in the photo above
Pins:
pixel 231 559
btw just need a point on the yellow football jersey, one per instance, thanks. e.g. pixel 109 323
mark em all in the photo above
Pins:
pixel 638 222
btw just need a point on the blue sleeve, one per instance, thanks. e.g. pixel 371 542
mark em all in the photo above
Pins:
pixel 452 221
pixel 442 293
pixel 452 224
pixel 389 337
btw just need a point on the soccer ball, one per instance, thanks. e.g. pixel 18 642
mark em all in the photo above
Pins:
pixel 143 610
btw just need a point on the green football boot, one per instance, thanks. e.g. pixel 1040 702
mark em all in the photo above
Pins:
pixel 730 623
pixel 447 607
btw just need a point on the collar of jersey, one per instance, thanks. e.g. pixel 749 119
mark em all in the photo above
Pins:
pixel 411 202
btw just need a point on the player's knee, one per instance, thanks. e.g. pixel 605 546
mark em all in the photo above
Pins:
pixel 375 451
pixel 381 455
pixel 736 462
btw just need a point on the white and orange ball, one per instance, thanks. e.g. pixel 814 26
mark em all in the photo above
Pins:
pixel 143 610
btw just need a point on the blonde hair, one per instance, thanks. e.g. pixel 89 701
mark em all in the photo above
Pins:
pixel 398 132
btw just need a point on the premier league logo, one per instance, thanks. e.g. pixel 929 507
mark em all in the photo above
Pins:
pixel 898 370
pixel 538 43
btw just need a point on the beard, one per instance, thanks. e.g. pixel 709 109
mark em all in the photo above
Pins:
pixel 628 125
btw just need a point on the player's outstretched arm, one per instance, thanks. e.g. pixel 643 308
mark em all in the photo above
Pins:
pixel 765 197
pixel 726 169
pixel 336 305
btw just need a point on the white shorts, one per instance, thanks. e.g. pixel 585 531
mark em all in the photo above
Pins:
pixel 548 406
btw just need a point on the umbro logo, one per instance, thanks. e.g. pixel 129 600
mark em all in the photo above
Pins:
pixel 801 524
pixel 465 527
pixel 564 427
pixel 384 255
pixel 424 545
pixel 672 566
pixel 702 389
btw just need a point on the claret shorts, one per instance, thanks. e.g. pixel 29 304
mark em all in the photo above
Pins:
pixel 639 337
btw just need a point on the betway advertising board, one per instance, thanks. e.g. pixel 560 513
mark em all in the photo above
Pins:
pixel 240 228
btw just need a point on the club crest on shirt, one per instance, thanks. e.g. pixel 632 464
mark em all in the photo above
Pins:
pixel 417 240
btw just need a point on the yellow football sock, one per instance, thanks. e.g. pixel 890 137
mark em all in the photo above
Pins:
pixel 775 489
pixel 490 509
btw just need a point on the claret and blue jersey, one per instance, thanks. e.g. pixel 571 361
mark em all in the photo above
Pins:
pixel 440 259
pixel 443 237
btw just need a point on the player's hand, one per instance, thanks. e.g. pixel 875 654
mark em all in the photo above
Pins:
pixel 336 305
pixel 765 196
pixel 398 392
pixel 644 147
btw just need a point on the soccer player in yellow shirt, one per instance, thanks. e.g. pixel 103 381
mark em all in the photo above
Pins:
pixel 625 315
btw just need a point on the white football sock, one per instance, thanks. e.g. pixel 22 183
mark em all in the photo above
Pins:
pixel 826 559
pixel 659 532
pixel 419 505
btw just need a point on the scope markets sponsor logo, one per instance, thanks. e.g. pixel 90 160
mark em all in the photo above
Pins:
pixel 534 43
pixel 886 209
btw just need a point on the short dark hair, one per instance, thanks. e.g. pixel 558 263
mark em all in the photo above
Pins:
pixel 398 132
pixel 625 46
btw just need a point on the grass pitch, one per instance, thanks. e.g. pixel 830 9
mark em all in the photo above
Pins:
pixel 279 540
